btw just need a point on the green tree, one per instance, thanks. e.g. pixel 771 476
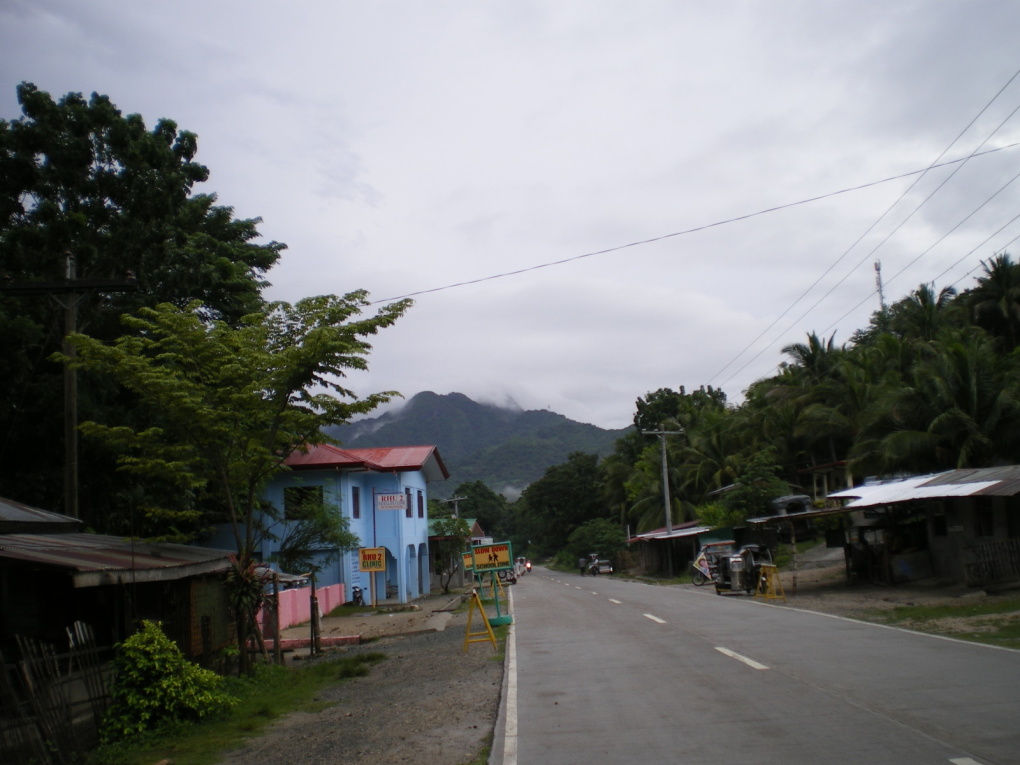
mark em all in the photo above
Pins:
pixel 757 485
pixel 561 500
pixel 481 503
pixel 995 300
pixel 77 177
pixel 223 407
pixel 313 535
pixel 601 536
pixel 958 408
pixel 450 537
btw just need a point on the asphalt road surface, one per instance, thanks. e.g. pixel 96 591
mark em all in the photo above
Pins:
pixel 602 671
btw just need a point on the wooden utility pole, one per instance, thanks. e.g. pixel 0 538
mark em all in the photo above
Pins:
pixel 67 294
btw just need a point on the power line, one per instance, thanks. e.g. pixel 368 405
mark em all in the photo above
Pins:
pixel 867 231
pixel 685 232
pixel 934 164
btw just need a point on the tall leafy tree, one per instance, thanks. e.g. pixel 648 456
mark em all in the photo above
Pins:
pixel 561 500
pixel 450 537
pixel 223 406
pixel 80 180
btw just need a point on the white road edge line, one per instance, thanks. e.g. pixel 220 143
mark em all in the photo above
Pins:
pixel 734 655
pixel 964 761
pixel 510 734
pixel 654 618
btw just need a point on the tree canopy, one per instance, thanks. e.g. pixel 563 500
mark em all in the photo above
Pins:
pixel 80 179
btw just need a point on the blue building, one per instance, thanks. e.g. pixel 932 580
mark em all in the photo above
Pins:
pixel 383 493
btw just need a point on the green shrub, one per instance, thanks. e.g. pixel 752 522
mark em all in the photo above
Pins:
pixel 155 684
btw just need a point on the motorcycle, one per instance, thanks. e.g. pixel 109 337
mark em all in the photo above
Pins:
pixel 699 576
pixel 359 595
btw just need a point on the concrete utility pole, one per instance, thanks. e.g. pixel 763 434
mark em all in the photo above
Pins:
pixel 665 491
pixel 73 290
pixel 456 508
pixel 665 473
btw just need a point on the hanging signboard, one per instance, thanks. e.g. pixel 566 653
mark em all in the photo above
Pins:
pixel 492 557
pixel 372 559
pixel 394 501
pixel 468 561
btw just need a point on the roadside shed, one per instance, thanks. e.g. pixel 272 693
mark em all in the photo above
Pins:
pixel 960 525
pixel 52 577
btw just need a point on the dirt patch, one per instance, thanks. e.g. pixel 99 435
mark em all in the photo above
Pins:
pixel 429 701
pixel 827 590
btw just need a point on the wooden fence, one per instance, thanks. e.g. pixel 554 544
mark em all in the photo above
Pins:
pixel 52 704
pixel 994 563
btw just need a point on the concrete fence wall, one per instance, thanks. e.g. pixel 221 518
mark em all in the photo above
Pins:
pixel 295 605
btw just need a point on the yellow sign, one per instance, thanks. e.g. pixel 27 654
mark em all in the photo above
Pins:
pixel 492 557
pixel 468 561
pixel 372 559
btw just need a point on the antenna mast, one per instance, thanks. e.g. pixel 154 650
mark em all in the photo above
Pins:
pixel 878 284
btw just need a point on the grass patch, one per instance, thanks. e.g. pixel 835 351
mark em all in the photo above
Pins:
pixel 482 758
pixel 994 620
pixel 271 693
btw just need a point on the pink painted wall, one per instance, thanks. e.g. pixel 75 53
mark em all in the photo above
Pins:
pixel 295 605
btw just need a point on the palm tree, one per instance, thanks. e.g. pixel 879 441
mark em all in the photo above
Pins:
pixel 995 301
pixel 923 315
pixel 960 408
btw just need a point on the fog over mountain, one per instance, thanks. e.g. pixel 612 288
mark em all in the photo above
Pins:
pixel 503 446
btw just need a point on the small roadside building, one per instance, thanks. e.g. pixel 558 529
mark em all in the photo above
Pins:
pixel 383 494
pixel 52 575
pixel 961 525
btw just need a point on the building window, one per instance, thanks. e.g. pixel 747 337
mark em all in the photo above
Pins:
pixel 301 502
pixel 355 502
pixel 408 508
pixel 421 504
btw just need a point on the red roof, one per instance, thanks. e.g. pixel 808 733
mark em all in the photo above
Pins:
pixel 388 459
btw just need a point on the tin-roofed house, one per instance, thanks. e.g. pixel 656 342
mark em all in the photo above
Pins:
pixel 383 494
pixel 960 525
pixel 52 575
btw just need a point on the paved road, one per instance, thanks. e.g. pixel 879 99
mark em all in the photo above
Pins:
pixel 603 671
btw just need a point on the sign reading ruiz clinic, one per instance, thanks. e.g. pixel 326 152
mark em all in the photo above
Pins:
pixel 394 501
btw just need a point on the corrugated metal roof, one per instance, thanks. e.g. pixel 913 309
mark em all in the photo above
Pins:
pixel 969 482
pixel 383 459
pixel 18 518
pixel 95 559
pixel 676 533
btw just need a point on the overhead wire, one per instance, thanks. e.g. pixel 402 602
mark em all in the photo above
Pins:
pixel 867 231
pixel 695 229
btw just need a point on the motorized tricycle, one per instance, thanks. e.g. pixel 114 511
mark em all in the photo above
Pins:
pixel 742 571
pixel 704 566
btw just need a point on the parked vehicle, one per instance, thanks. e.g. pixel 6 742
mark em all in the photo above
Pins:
pixel 704 566
pixel 741 572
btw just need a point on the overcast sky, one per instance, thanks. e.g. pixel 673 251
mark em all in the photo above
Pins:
pixel 403 147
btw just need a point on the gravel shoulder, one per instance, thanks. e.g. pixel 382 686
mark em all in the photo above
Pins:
pixel 429 701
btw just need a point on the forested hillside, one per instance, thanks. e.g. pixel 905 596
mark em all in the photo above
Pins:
pixel 505 448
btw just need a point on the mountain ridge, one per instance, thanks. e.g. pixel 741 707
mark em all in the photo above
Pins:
pixel 505 448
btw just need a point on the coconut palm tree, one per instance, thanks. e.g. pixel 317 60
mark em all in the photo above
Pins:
pixel 995 301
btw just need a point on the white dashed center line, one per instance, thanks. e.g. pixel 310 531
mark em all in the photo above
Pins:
pixel 733 655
